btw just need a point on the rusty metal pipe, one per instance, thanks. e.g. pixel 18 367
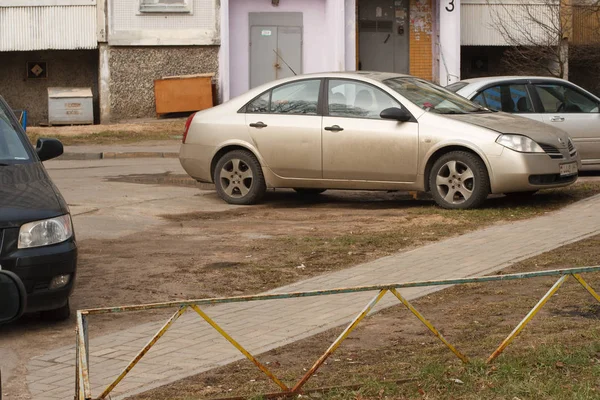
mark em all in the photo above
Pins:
pixel 339 340
pixel 238 346
pixel 586 286
pixel 142 352
pixel 429 325
pixel 528 318
pixel 238 299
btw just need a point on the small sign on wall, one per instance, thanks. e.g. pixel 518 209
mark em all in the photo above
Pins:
pixel 37 70
pixel 266 32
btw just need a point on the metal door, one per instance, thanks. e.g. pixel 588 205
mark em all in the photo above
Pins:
pixel 275 46
pixel 384 35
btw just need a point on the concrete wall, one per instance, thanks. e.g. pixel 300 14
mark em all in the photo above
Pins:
pixel 70 68
pixel 132 71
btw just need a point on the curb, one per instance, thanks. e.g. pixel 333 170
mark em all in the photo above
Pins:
pixel 113 155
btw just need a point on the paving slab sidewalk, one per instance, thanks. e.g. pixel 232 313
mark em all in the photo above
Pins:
pixel 191 346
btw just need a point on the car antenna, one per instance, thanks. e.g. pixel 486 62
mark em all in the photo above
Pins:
pixel 286 64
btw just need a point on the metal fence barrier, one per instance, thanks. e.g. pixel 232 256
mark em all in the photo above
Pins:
pixel 82 384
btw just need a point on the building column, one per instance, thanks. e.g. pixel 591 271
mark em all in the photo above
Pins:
pixel 350 35
pixel 336 19
pixel 449 42
pixel 224 52
pixel 104 82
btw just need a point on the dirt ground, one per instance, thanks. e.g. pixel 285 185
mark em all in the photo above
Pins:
pixel 253 249
pixel 556 357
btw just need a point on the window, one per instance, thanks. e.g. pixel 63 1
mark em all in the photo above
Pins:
pixel 507 98
pixel 296 98
pixel 479 100
pixel 169 6
pixel 11 146
pixel 355 99
pixel 431 97
pixel 562 99
pixel 456 86
pixel 260 104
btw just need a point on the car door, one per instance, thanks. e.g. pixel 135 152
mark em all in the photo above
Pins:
pixel 574 111
pixel 358 144
pixel 514 98
pixel 285 125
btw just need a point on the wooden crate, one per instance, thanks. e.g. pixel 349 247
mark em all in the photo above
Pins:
pixel 183 93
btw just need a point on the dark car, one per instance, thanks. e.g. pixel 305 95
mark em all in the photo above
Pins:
pixel 37 241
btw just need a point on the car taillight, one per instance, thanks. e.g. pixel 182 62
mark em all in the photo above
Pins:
pixel 187 127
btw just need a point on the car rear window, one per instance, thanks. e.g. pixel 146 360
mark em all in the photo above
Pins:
pixel 12 148
pixel 455 87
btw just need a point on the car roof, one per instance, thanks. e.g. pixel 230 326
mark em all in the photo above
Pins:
pixel 493 79
pixel 378 76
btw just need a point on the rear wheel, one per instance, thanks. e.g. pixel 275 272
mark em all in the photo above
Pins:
pixel 239 179
pixel 459 180
pixel 309 192
pixel 58 314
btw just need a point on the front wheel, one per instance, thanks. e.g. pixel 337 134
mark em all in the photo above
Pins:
pixel 239 179
pixel 459 180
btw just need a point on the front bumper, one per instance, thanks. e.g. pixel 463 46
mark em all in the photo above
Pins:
pixel 520 172
pixel 37 267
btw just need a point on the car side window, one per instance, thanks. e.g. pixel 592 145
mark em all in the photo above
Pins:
pixel 260 104
pixel 357 100
pixel 296 98
pixel 557 98
pixel 479 100
pixel 491 98
pixel 508 98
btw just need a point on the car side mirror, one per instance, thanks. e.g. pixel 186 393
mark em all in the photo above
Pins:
pixel 48 148
pixel 395 113
pixel 13 297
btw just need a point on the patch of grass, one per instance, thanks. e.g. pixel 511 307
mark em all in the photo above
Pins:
pixel 110 137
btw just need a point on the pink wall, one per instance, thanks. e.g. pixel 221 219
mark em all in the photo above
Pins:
pixel 316 47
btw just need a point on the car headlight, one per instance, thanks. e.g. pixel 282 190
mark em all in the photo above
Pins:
pixel 45 232
pixel 519 143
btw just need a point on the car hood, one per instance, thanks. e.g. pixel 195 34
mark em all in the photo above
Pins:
pixel 27 194
pixel 508 123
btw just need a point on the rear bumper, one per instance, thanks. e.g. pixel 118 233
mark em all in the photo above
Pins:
pixel 196 161
pixel 37 267
pixel 519 172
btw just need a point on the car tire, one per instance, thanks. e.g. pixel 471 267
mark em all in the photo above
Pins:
pixel 305 192
pixel 459 180
pixel 239 179
pixel 58 314
pixel 521 195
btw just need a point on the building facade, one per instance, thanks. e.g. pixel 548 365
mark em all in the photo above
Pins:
pixel 119 47
pixel 46 43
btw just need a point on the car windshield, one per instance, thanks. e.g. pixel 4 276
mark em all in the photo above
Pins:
pixel 12 148
pixel 432 98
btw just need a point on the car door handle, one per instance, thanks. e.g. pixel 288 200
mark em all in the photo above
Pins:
pixel 258 124
pixel 557 119
pixel 334 128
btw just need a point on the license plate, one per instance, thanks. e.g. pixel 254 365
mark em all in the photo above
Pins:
pixel 568 169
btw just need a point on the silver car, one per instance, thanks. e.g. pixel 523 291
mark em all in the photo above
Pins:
pixel 371 131
pixel 553 101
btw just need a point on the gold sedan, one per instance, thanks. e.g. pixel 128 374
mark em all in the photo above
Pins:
pixel 371 131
